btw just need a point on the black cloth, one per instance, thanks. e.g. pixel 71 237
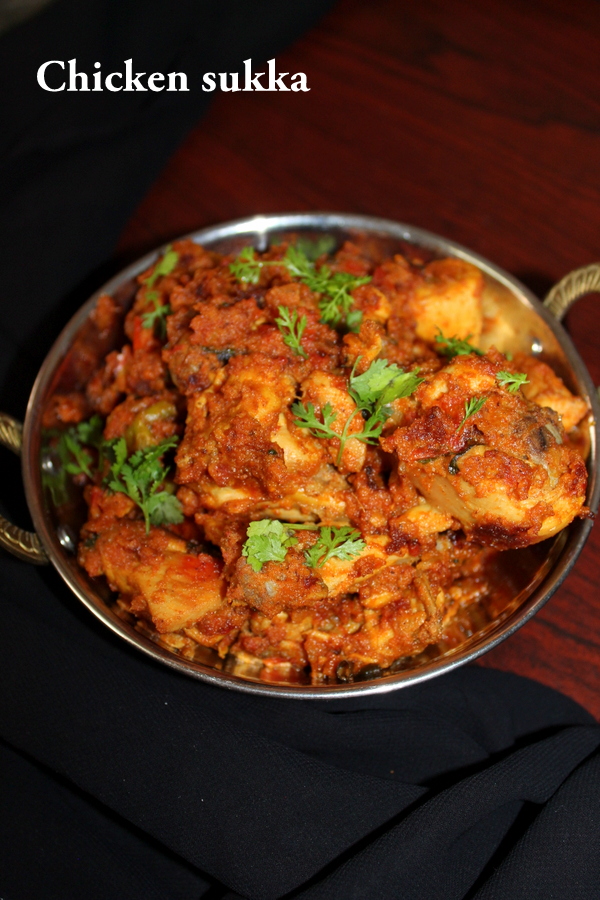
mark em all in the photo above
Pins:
pixel 124 779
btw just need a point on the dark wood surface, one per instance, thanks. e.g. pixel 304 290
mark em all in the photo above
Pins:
pixel 480 122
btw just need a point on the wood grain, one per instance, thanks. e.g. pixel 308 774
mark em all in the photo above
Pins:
pixel 477 121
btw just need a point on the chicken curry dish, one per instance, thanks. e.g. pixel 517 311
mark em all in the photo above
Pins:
pixel 304 461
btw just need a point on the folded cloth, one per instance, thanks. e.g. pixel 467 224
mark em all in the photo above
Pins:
pixel 478 784
pixel 122 778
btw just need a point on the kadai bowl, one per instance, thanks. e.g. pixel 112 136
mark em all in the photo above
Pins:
pixel 312 455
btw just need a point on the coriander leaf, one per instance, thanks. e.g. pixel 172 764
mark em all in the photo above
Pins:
pixel 307 418
pixel 455 346
pixel 300 266
pixel 354 320
pixel 344 543
pixel 267 540
pixel 314 248
pixel 90 432
pixel 472 406
pixel 373 392
pixel 512 381
pixel 164 509
pixel 164 267
pixel 157 316
pixel 73 455
pixel 381 384
pixel 295 330
pixel 140 476
pixel 82 459
pixel 75 459
pixel 246 267
pixel 336 300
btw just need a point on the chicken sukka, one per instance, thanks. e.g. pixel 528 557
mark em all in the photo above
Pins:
pixel 306 464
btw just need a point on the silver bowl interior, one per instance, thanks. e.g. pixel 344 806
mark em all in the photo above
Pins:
pixel 518 321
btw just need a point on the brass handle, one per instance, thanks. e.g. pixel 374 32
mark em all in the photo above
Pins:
pixel 24 544
pixel 576 284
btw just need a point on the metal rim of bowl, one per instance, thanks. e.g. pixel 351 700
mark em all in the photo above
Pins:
pixel 260 227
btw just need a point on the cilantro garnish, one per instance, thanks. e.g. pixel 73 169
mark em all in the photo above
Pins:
pixel 268 540
pixel 307 418
pixel 381 384
pixel 164 266
pixel 512 381
pixel 295 328
pixel 71 450
pixel 373 392
pixel 343 543
pixel 71 447
pixel 336 301
pixel 157 316
pixel 315 247
pixel 455 346
pixel 246 267
pixel 140 477
pixel 472 406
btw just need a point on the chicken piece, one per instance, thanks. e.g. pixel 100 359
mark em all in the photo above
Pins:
pixel 504 472
pixel 372 303
pixel 419 523
pixel 278 586
pixel 291 584
pixel 365 346
pixel 68 408
pixel 449 300
pixel 229 440
pixel 320 498
pixel 545 388
pixel 343 576
pixel 164 583
pixel 399 619
pixel 320 389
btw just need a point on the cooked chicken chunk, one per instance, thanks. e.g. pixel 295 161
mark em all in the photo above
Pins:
pixel 449 300
pixel 545 388
pixel 165 584
pixel 504 472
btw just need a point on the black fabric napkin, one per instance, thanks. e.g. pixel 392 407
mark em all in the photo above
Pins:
pixel 124 779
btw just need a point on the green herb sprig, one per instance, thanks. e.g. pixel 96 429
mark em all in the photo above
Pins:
pixel 512 381
pixel 454 346
pixel 72 449
pixel 295 329
pixel 472 406
pixel 140 477
pixel 336 300
pixel 344 543
pixel 381 384
pixel 373 392
pixel 268 540
pixel 158 315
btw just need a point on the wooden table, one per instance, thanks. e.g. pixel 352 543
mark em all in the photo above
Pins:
pixel 480 122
